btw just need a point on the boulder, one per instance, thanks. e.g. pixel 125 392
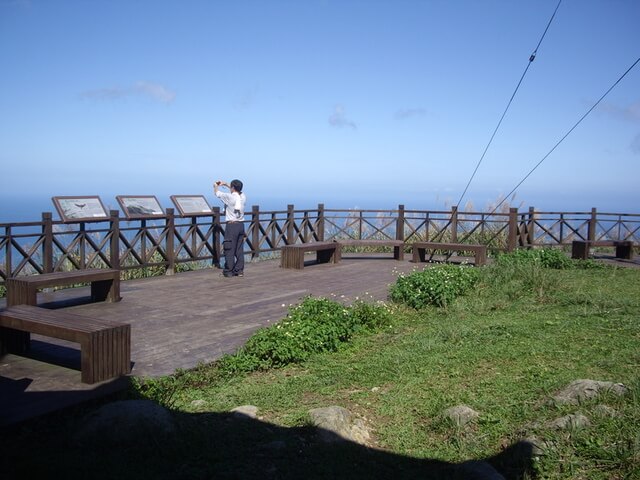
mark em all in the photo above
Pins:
pixel 582 390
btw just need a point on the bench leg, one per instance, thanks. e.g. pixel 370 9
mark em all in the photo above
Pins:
pixel 398 253
pixel 106 354
pixel 20 293
pixel 624 250
pixel 481 258
pixel 105 290
pixel 325 256
pixel 419 255
pixel 579 250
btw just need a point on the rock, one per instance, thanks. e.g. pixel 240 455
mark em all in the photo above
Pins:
pixel 570 422
pixel 125 422
pixel 198 403
pixel 245 411
pixel 582 390
pixel 461 415
pixel 338 424
pixel 605 411
pixel 537 447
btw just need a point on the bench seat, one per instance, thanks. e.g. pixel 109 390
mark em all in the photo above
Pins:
pixel 292 256
pixel 419 249
pixel 105 285
pixel 105 346
pixel 580 249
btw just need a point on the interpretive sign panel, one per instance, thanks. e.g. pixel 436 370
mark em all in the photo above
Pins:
pixel 80 209
pixel 191 205
pixel 140 206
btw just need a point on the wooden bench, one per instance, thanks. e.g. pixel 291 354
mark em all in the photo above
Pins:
pixel 419 249
pixel 105 346
pixel 398 245
pixel 580 248
pixel 292 256
pixel 105 285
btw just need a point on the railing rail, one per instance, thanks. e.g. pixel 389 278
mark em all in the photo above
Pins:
pixel 169 241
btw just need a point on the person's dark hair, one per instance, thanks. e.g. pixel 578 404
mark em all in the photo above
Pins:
pixel 237 185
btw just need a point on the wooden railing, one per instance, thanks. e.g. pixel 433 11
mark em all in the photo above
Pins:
pixel 168 242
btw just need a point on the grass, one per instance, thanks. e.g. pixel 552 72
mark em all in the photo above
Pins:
pixel 502 348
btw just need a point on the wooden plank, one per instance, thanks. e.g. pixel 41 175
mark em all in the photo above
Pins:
pixel 105 285
pixel 101 358
pixel 292 256
pixel 580 249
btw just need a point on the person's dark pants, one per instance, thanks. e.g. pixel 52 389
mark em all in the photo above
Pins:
pixel 233 246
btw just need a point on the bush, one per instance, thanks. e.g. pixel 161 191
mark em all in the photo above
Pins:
pixel 316 325
pixel 545 257
pixel 437 286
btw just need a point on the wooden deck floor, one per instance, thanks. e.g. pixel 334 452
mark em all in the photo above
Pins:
pixel 178 321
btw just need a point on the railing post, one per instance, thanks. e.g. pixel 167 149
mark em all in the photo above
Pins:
pixel 290 240
pixel 255 232
pixel 7 254
pixel 320 226
pixel 593 222
pixel 512 237
pixel 400 223
pixel 47 244
pixel 114 244
pixel 217 228
pixel 454 224
pixel 531 226
pixel 82 246
pixel 169 242
pixel 194 234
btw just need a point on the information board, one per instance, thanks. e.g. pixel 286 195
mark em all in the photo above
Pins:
pixel 140 206
pixel 191 205
pixel 80 209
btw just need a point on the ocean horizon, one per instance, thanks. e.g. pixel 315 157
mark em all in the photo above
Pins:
pixel 29 208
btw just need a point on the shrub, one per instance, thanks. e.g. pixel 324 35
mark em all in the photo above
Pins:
pixel 438 286
pixel 545 257
pixel 316 325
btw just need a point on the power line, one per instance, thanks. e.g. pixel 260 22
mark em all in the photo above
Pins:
pixel 531 59
pixel 567 134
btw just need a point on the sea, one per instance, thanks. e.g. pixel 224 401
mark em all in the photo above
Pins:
pixel 29 208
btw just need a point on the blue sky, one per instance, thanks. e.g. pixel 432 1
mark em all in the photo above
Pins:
pixel 348 103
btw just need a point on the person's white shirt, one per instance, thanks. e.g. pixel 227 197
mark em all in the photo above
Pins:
pixel 234 203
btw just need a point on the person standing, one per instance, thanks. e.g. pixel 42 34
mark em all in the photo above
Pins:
pixel 233 244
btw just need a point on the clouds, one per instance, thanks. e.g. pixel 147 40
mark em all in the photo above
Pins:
pixel 339 119
pixel 405 113
pixel 628 114
pixel 635 145
pixel 149 90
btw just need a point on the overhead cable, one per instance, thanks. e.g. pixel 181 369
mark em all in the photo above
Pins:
pixel 531 59
pixel 567 134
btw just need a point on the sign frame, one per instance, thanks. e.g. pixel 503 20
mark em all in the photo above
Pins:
pixel 141 207
pixel 186 205
pixel 73 208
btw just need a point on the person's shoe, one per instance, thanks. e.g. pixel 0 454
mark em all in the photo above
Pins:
pixel 241 274
pixel 226 275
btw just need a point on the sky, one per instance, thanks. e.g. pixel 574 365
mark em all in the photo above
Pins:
pixel 366 104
